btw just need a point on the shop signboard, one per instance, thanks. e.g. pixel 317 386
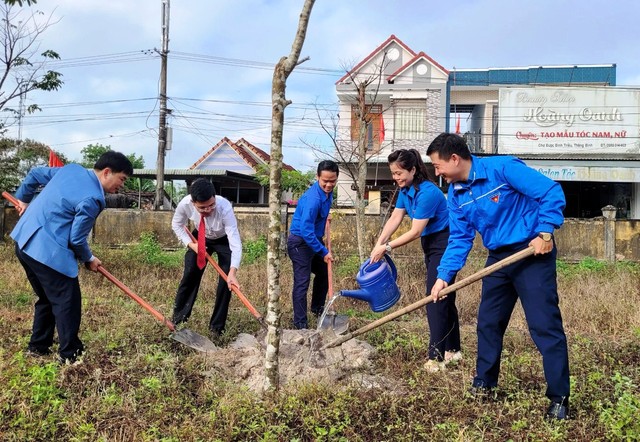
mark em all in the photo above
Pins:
pixel 569 120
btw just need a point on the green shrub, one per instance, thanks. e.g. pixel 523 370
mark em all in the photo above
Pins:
pixel 620 416
pixel 252 251
pixel 348 267
pixel 149 251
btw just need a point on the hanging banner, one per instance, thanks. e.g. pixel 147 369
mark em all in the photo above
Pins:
pixel 569 120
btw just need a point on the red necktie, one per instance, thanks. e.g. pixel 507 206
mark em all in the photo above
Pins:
pixel 202 248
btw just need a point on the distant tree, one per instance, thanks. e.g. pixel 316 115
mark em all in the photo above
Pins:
pixel 20 2
pixel 9 162
pixel 17 158
pixel 92 152
pixel 292 180
pixel 363 141
pixel 24 69
pixel 35 154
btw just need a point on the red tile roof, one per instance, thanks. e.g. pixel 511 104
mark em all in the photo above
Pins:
pixel 392 38
pixel 413 61
pixel 245 150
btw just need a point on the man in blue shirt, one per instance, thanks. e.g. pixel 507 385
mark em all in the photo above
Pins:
pixel 305 247
pixel 512 207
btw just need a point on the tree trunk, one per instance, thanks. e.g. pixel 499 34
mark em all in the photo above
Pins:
pixel 279 102
pixel 361 173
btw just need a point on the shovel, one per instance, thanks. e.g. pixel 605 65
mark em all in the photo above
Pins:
pixel 330 320
pixel 416 305
pixel 184 336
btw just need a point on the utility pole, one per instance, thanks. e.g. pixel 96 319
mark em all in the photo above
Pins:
pixel 162 129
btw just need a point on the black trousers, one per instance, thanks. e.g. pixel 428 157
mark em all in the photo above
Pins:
pixel 58 306
pixel 190 284
pixel 442 316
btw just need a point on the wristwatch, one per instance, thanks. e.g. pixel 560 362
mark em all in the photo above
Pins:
pixel 546 237
pixel 388 248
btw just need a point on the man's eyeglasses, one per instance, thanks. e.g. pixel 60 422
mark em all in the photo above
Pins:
pixel 207 208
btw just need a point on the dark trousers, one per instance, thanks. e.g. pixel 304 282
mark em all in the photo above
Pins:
pixel 442 316
pixel 305 261
pixel 533 280
pixel 58 306
pixel 190 283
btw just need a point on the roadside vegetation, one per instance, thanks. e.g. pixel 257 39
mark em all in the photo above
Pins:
pixel 135 384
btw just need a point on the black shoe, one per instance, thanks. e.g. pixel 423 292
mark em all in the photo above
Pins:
pixel 215 333
pixel 317 312
pixel 557 411
pixel 68 361
pixel 71 360
pixel 37 353
pixel 301 326
pixel 484 394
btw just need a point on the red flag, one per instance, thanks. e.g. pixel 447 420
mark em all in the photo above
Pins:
pixel 381 128
pixel 458 124
pixel 54 161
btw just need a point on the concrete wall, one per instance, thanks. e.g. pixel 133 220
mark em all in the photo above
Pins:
pixel 577 239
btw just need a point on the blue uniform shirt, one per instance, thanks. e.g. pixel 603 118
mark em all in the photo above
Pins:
pixel 310 217
pixel 506 201
pixel 428 202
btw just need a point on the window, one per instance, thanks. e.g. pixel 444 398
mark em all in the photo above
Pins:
pixel 375 126
pixel 411 116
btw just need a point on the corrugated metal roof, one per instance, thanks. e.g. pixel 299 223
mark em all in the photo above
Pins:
pixel 188 174
pixel 191 172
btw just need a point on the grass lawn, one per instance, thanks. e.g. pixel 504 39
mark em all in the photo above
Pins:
pixel 136 384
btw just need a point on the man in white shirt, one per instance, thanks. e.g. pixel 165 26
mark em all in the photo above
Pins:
pixel 214 216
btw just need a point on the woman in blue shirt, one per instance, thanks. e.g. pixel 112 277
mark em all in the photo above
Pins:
pixel 426 205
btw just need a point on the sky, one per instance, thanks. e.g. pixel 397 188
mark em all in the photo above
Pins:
pixel 222 53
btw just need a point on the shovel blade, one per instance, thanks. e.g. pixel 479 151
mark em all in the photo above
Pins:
pixel 338 323
pixel 194 340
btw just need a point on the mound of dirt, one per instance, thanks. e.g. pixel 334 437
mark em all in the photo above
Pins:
pixel 301 360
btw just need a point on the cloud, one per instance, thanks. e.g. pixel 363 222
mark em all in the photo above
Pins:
pixel 225 51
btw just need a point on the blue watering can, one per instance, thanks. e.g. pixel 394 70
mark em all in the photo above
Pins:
pixel 377 282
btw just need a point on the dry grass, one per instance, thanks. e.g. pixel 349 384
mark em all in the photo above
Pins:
pixel 135 384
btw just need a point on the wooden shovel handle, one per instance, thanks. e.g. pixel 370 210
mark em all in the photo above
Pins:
pixel 10 198
pixel 117 282
pixel 327 233
pixel 452 288
pixel 137 298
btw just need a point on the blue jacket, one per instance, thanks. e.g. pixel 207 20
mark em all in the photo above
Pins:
pixel 55 227
pixel 428 202
pixel 310 217
pixel 506 201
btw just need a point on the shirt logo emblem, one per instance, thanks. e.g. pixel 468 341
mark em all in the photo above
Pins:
pixel 495 198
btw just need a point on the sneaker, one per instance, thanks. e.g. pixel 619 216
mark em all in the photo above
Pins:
pixel 452 356
pixel 557 411
pixel 433 366
pixel 36 352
